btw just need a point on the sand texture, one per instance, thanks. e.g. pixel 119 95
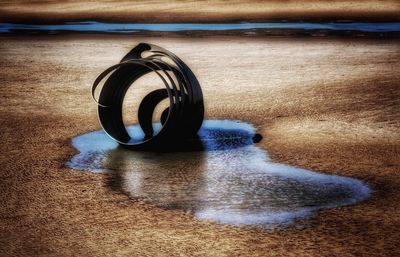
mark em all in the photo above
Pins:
pixel 197 11
pixel 330 105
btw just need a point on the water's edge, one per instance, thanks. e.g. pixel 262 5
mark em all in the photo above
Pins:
pixel 262 28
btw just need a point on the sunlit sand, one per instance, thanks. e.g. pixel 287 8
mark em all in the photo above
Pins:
pixel 328 105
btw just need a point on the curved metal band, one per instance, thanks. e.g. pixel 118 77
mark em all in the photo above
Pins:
pixel 180 121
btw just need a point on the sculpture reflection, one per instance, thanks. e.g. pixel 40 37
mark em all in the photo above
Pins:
pixel 231 181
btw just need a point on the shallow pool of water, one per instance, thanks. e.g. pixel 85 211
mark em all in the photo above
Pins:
pixel 232 181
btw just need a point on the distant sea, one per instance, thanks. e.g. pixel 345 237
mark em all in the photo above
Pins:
pixel 247 28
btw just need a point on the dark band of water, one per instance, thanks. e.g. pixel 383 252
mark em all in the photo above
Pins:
pixel 91 26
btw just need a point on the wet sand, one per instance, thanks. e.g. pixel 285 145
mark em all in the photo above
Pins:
pixel 330 105
pixel 197 11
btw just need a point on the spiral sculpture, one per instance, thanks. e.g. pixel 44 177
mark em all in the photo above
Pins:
pixel 180 121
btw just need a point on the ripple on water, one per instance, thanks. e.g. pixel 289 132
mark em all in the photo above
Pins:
pixel 232 181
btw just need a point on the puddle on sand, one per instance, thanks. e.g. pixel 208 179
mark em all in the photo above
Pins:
pixel 232 181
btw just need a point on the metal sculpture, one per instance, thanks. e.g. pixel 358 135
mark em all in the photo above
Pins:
pixel 180 121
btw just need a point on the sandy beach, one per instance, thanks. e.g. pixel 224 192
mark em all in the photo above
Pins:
pixel 197 11
pixel 326 104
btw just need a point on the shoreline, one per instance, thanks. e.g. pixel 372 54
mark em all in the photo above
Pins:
pixel 349 29
pixel 267 34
